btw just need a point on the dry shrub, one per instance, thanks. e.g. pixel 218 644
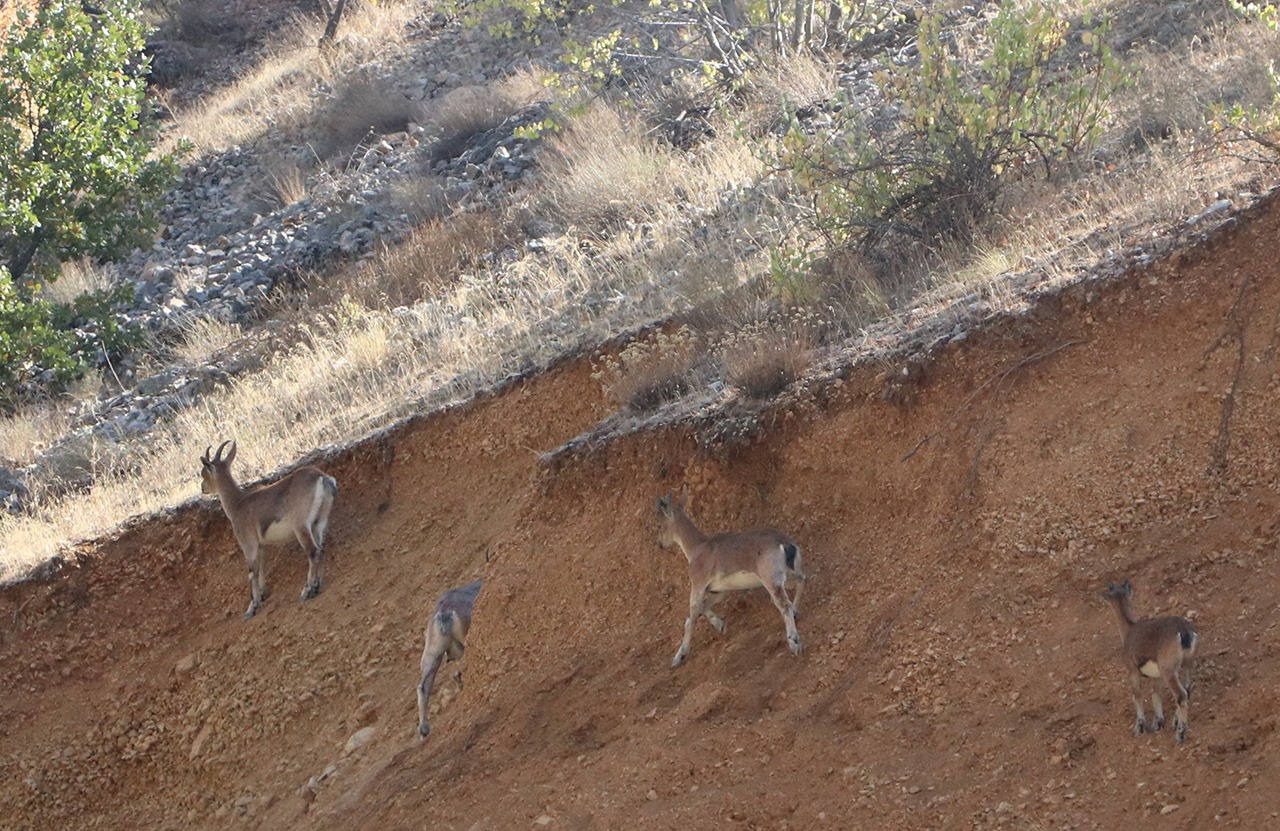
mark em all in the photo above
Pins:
pixel 432 257
pixel 765 357
pixel 649 373
pixel 362 106
pixel 789 82
pixel 279 93
pixel 422 197
pixel 283 183
pixel 204 337
pixel 602 171
pixel 78 277
pixel 463 113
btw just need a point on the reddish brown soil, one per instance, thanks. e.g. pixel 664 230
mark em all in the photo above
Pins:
pixel 960 669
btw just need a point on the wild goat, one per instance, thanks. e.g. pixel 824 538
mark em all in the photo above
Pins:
pixel 728 562
pixel 1158 647
pixel 297 506
pixel 445 637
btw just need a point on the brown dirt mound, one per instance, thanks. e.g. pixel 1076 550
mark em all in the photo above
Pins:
pixel 960 669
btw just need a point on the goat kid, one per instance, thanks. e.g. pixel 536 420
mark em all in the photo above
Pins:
pixel 1156 648
pixel 445 639
pixel 729 562
pixel 295 507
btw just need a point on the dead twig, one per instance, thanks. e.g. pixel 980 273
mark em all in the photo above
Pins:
pixel 994 379
pixel 1237 321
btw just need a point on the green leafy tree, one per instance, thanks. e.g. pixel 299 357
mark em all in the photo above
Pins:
pixel 962 126
pixel 76 180
pixel 74 143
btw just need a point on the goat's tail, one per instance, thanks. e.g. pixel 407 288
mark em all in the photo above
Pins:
pixel 791 551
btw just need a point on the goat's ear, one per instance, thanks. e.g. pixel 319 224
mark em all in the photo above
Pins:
pixel 664 504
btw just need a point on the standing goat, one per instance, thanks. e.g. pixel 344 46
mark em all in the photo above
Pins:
pixel 445 637
pixel 296 507
pixel 1158 647
pixel 728 562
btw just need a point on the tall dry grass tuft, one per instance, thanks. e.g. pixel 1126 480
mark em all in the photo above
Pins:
pixel 433 257
pixel 78 277
pixel 603 171
pixel 288 91
pixel 786 83
pixel 649 373
pixel 764 357
pixel 459 115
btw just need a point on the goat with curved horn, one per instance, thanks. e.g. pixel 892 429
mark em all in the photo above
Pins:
pixel 295 507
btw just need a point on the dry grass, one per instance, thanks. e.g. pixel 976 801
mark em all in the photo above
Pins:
pixel 456 117
pixel 284 183
pixel 204 337
pixel 649 373
pixel 433 256
pixel 77 278
pixel 789 82
pixel 764 357
pixel 363 105
pixel 604 172
pixel 289 89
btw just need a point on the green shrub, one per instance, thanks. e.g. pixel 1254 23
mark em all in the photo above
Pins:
pixel 962 126
pixel 45 346
pixel 74 137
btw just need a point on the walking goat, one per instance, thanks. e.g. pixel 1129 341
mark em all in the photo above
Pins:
pixel 729 562
pixel 1159 647
pixel 445 639
pixel 295 507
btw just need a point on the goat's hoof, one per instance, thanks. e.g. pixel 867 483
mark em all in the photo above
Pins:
pixel 678 660
pixel 1156 725
pixel 253 610
pixel 795 646
pixel 718 625
pixel 424 730
pixel 309 592
pixel 1139 727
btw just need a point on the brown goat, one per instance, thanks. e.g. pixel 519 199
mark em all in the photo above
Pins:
pixel 728 562
pixel 296 507
pixel 1159 647
pixel 445 637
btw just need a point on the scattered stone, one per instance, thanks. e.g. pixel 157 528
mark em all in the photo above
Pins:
pixel 358 739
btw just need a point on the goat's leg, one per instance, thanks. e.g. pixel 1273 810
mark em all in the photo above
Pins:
pixel 315 561
pixel 257 583
pixel 708 611
pixel 778 594
pixel 1180 711
pixel 1157 704
pixel 695 611
pixel 1135 685
pixel 801 580
pixel 434 649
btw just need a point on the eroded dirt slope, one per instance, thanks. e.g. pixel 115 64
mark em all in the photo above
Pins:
pixel 960 670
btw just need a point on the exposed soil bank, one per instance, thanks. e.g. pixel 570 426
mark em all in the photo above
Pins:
pixel 960 670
